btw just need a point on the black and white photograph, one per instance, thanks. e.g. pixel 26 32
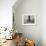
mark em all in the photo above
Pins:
pixel 29 20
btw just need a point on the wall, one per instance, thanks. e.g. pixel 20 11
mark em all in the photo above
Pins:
pixel 29 7
pixel 6 13
pixel 43 22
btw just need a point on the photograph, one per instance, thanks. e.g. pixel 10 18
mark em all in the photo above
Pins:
pixel 29 20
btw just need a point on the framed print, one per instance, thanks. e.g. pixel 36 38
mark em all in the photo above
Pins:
pixel 29 19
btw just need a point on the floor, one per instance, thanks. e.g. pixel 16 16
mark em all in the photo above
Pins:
pixel 9 43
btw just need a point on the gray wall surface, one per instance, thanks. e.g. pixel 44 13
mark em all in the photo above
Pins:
pixel 29 31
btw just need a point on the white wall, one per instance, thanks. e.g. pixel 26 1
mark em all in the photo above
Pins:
pixel 6 13
pixel 38 32
pixel 43 22
pixel 29 7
